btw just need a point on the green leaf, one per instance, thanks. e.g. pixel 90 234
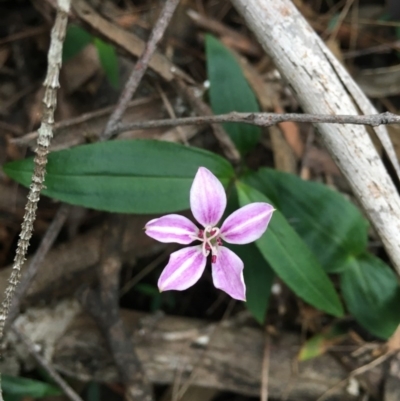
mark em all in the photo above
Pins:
pixel 20 386
pixel 137 176
pixel 108 60
pixel 331 226
pixel 291 259
pixel 258 277
pixel 372 294
pixel 320 343
pixel 229 91
pixel 76 40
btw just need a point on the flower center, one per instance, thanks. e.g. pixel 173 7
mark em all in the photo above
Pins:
pixel 211 240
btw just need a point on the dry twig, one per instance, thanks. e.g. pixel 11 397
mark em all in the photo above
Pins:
pixel 265 120
pixel 34 264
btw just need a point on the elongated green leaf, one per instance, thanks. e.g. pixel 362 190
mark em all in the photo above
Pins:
pixel 124 176
pixel 76 40
pixel 372 294
pixel 331 226
pixel 258 277
pixel 292 260
pixel 108 60
pixel 20 386
pixel 229 91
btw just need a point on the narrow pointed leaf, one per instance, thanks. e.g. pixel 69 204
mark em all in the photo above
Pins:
pixel 137 176
pixel 258 277
pixel 229 91
pixel 291 259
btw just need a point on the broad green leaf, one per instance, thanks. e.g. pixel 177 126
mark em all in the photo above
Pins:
pixel 317 345
pixel 331 226
pixel 229 91
pixel 258 277
pixel 137 176
pixel 291 259
pixel 76 40
pixel 372 294
pixel 20 386
pixel 108 60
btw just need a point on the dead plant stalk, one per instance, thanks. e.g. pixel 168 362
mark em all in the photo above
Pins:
pixel 45 134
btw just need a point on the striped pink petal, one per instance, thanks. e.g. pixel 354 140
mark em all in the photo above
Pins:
pixel 247 224
pixel 227 273
pixel 184 269
pixel 172 228
pixel 207 198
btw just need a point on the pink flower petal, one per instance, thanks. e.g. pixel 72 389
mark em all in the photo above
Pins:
pixel 184 269
pixel 172 228
pixel 247 224
pixel 227 273
pixel 207 198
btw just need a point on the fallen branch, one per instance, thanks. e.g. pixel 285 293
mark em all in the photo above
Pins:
pixel 225 357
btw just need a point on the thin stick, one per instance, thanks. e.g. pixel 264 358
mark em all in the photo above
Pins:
pixel 45 132
pixel 140 67
pixel 66 388
pixel 264 120
pixel 44 247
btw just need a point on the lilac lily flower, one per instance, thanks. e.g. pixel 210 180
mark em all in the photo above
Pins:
pixel 208 203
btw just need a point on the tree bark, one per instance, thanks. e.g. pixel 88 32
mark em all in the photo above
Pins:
pixel 319 84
